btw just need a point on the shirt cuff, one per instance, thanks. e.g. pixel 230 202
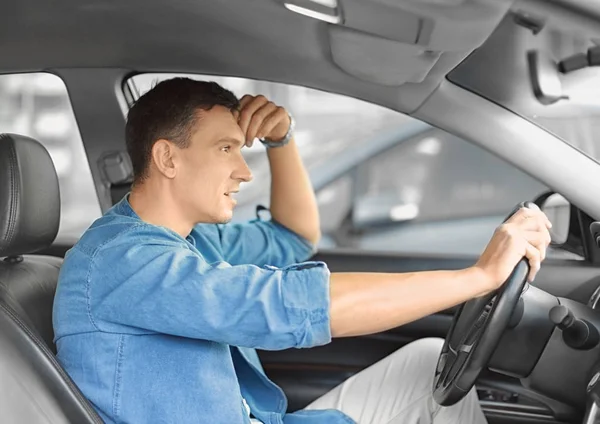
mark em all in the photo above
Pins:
pixel 307 300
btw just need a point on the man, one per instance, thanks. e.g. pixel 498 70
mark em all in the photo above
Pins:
pixel 161 303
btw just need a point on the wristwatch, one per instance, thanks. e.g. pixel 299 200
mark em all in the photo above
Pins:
pixel 286 139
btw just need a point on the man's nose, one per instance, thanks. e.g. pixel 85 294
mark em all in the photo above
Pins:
pixel 243 172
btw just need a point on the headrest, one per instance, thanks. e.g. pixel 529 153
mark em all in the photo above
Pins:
pixel 29 196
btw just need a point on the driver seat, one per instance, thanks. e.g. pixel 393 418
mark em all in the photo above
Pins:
pixel 33 386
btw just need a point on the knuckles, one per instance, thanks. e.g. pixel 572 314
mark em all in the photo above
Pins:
pixel 507 230
pixel 244 114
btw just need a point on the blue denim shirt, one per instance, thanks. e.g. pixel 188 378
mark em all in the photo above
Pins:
pixel 157 328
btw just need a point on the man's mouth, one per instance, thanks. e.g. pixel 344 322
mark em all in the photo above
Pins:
pixel 230 195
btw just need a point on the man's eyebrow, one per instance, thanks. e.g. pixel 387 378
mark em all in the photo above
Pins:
pixel 235 141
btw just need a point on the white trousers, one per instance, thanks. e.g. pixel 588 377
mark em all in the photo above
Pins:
pixel 398 390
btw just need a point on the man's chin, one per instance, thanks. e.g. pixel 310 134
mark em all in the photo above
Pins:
pixel 225 217
pixel 224 220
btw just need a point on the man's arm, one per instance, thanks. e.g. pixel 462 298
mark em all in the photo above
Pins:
pixel 367 303
pixel 255 242
pixel 293 202
pixel 364 303
pixel 177 292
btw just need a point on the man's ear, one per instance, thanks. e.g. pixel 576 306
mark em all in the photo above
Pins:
pixel 162 157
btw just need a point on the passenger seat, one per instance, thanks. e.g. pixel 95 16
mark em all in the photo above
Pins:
pixel 33 386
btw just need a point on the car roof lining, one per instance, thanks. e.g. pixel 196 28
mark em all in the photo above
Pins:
pixel 256 39
pixel 393 53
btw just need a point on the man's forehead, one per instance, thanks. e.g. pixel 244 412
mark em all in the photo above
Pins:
pixel 219 121
pixel 217 112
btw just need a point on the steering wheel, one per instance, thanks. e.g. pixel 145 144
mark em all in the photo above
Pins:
pixel 476 329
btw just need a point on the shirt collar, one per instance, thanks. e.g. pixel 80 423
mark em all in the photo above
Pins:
pixel 123 207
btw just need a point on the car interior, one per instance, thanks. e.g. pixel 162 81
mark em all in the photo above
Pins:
pixel 516 78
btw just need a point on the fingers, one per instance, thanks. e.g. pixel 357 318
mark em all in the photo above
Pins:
pixel 245 100
pixel 534 225
pixel 258 120
pixel 271 121
pixel 531 244
pixel 533 256
pixel 259 117
pixel 248 106
pixel 529 217
pixel 539 240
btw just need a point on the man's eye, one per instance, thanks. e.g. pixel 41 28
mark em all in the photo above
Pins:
pixel 226 149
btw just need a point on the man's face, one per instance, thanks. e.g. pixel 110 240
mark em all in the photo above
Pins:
pixel 212 168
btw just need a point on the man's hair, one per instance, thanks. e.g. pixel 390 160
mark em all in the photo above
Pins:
pixel 170 111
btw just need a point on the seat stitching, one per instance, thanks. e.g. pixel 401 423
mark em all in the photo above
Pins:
pixel 13 195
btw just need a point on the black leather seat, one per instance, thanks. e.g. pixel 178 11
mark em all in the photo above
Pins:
pixel 33 386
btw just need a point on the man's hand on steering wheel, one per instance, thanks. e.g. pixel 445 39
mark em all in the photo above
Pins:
pixel 524 234
pixel 512 257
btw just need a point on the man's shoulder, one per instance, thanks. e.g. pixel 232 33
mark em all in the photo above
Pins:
pixel 110 231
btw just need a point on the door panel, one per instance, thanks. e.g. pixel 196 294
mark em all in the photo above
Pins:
pixel 305 374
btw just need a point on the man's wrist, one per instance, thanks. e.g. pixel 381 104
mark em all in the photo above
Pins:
pixel 479 280
pixel 273 155
pixel 269 144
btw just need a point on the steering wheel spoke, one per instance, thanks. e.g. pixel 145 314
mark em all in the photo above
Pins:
pixel 459 362
pixel 450 363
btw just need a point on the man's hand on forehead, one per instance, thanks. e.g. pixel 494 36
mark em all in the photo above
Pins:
pixel 259 117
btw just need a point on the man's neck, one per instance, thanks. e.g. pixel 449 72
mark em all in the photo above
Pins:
pixel 157 206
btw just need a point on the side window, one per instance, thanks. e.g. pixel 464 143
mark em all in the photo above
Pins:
pixel 383 181
pixel 37 105
pixel 436 194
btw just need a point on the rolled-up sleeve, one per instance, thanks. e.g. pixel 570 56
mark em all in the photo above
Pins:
pixel 169 289
pixel 263 242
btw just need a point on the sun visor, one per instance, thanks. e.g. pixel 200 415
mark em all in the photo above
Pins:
pixel 379 60
pixel 393 42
